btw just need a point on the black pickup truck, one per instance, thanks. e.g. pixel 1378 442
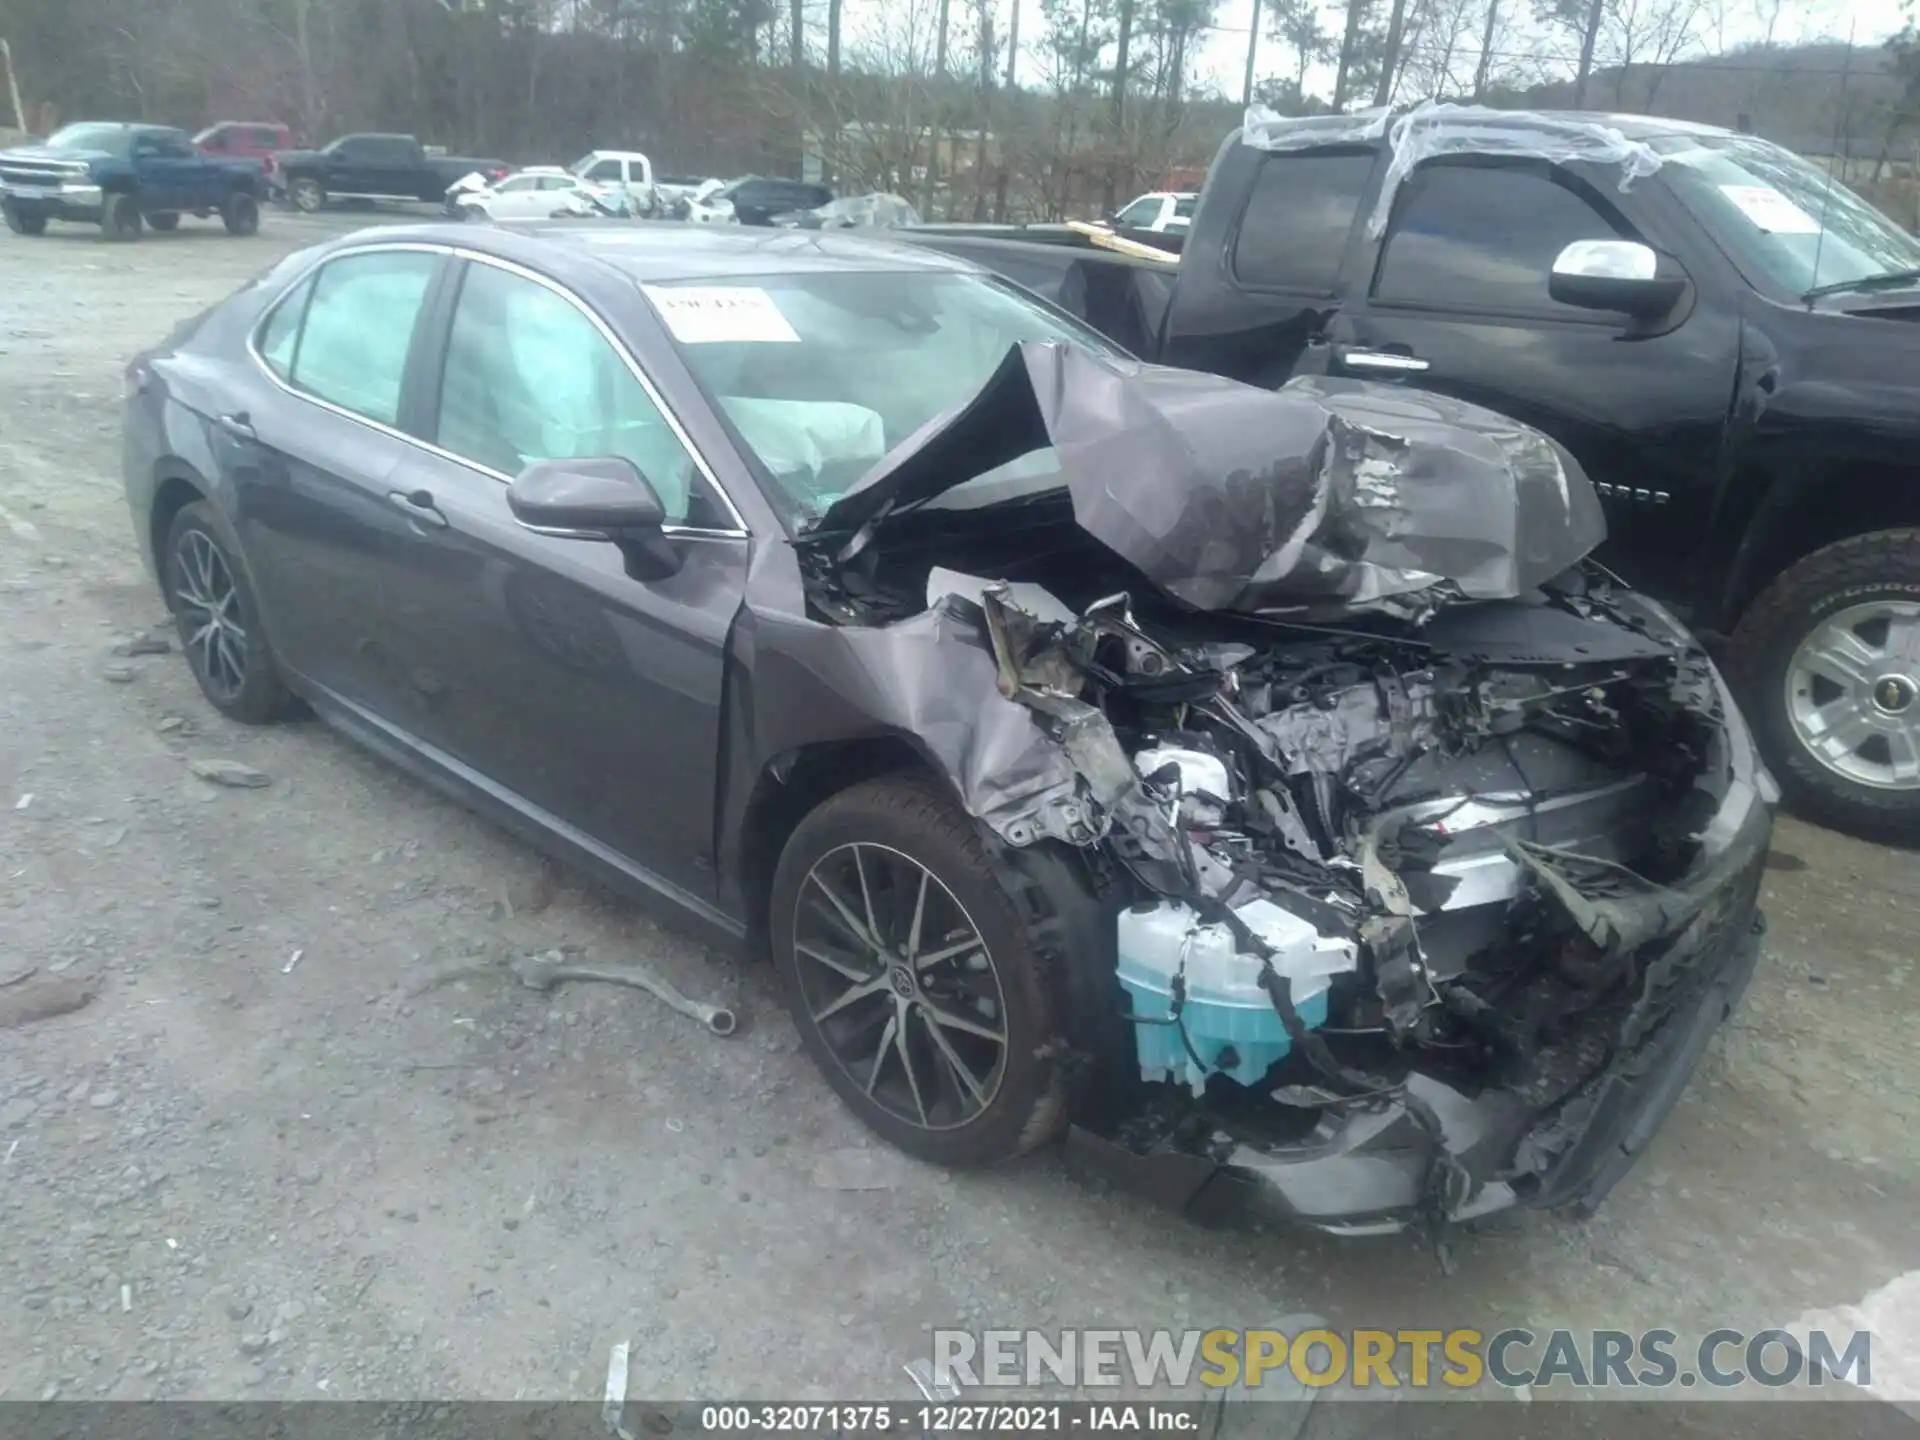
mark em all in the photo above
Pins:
pixel 372 167
pixel 1728 346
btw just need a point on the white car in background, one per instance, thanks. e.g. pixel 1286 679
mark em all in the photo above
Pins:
pixel 1160 210
pixel 540 192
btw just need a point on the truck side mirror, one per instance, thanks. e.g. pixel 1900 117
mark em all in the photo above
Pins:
pixel 1619 275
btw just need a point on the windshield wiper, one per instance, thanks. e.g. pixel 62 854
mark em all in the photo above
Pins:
pixel 1892 280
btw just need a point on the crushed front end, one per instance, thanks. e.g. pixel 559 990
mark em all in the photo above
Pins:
pixel 1435 850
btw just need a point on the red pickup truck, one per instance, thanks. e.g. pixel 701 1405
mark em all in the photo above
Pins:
pixel 249 139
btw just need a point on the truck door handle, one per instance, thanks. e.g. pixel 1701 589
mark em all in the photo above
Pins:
pixel 238 425
pixel 1382 362
pixel 419 507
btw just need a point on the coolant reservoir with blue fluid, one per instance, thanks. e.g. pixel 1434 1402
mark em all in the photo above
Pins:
pixel 1229 1020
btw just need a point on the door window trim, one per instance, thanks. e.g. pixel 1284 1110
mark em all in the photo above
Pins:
pixel 458 252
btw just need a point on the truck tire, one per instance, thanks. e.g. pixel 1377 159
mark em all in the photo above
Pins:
pixel 24 222
pixel 986 1081
pixel 308 195
pixel 240 213
pixel 1827 665
pixel 120 218
pixel 166 220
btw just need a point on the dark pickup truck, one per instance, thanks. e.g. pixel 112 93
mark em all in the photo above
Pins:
pixel 1729 347
pixel 372 167
pixel 120 177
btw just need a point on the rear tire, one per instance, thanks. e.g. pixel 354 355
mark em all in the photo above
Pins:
pixel 24 222
pixel 1838 600
pixel 167 220
pixel 240 213
pixel 207 584
pixel 869 846
pixel 309 196
pixel 120 218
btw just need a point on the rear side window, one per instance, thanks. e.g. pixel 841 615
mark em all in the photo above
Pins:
pixel 278 336
pixel 1481 237
pixel 355 330
pixel 1298 218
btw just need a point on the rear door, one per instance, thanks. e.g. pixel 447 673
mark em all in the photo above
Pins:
pixel 1264 283
pixel 1456 300
pixel 308 458
pixel 171 174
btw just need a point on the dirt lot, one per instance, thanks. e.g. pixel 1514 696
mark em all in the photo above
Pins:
pixel 236 1175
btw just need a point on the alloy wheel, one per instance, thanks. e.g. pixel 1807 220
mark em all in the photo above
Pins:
pixel 1853 694
pixel 208 604
pixel 900 986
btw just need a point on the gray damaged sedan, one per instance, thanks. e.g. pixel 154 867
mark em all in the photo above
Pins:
pixel 1264 790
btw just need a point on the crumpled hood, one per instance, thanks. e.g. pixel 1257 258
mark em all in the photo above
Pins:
pixel 1325 497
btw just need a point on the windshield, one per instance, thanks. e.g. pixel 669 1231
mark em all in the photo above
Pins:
pixel 1779 215
pixel 113 139
pixel 822 374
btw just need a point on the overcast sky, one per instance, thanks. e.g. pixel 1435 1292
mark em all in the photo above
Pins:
pixel 1223 57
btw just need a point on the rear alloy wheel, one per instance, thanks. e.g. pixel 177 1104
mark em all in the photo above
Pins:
pixel 168 220
pixel 1827 661
pixel 120 218
pixel 240 213
pixel 914 983
pixel 308 196
pixel 219 625
pixel 24 222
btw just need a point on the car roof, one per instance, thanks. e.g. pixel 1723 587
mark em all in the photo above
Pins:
pixel 657 253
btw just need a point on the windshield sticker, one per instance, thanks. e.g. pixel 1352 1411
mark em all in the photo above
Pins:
pixel 1771 211
pixel 716 314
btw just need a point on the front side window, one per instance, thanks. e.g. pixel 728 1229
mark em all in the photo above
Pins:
pixel 357 328
pixel 1141 213
pixel 1470 236
pixel 529 377
pixel 1298 218
pixel 605 170
pixel 1183 208
pixel 821 375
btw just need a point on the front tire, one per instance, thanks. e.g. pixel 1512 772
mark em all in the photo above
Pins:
pixel 1827 663
pixel 308 196
pixel 240 213
pixel 24 222
pixel 916 985
pixel 120 218
pixel 218 619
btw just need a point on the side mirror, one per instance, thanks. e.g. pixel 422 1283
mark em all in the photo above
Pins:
pixel 1618 275
pixel 597 499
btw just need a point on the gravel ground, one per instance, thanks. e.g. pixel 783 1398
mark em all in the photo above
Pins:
pixel 308 1140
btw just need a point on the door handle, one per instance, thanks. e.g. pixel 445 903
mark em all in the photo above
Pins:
pixel 1383 362
pixel 419 507
pixel 238 425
